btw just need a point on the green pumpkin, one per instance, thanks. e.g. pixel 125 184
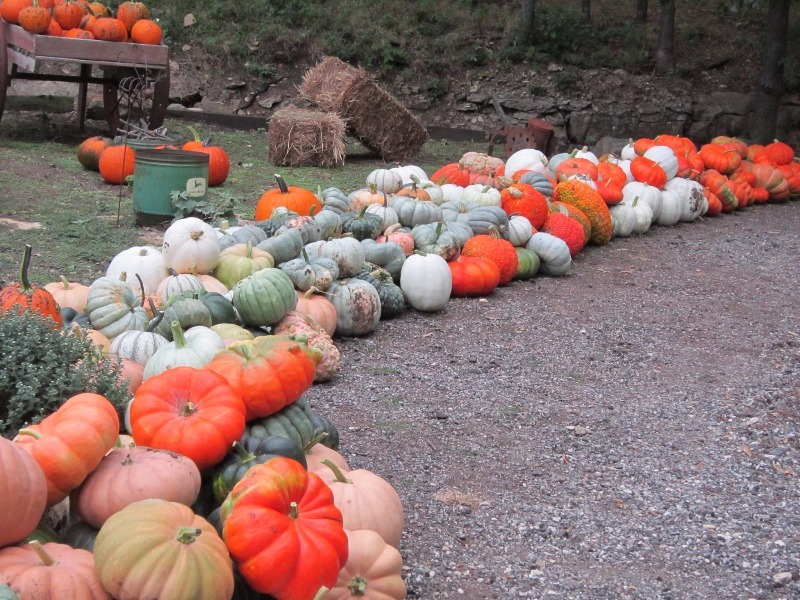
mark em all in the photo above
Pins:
pixel 295 422
pixel 411 211
pixel 188 312
pixel 392 301
pixel 527 264
pixel 388 255
pixel 279 216
pixel 358 306
pixel 284 246
pixel 263 298
pixel 70 317
pixel 335 200
pixel 434 238
pixel 323 425
pixel 460 231
pixel 308 227
pixel 219 307
pixel 239 261
pixel 361 224
pixel 43 534
pixel 479 217
pixel 80 535
pixel 248 452
pixel 249 234
pixel 539 182
pixel 330 223
pixel 305 273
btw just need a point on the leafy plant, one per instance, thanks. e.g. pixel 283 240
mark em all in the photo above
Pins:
pixel 209 209
pixel 42 366
pixel 437 88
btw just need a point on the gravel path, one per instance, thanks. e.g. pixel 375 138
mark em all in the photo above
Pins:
pixel 627 431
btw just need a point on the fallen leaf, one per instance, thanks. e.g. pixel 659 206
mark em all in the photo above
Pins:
pixel 189 20
pixel 746 449
pixel 618 503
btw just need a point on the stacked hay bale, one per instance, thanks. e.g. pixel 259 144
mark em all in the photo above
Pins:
pixel 377 119
pixel 300 137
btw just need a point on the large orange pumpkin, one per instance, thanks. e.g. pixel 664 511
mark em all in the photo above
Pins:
pixel 117 163
pixel 297 199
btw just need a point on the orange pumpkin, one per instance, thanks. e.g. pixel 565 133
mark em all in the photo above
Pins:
pixel 318 307
pixel 373 569
pixel 117 163
pixel 68 14
pixel 576 166
pixel 22 296
pixel 69 443
pixel 145 31
pixel 54 29
pixel 24 492
pixel 452 173
pixel 34 19
pixel 473 276
pixel 110 30
pixel 297 199
pixel 648 171
pixel 10 9
pixel 78 33
pixel 131 12
pixel 218 162
pixel 90 149
pixel 523 199
pixel 493 247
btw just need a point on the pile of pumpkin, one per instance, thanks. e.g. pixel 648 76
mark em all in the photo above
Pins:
pixel 81 19
pixel 115 159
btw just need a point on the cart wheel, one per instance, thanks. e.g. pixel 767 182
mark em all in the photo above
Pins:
pixel 134 99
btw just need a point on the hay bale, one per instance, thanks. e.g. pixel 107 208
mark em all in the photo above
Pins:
pixel 326 83
pixel 299 137
pixel 373 116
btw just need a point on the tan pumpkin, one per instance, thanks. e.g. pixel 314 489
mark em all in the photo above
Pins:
pixel 373 571
pixel 404 239
pixel 366 501
pixel 126 475
pixel 50 572
pixel 23 490
pixel 317 452
pixel 69 294
pixel 315 305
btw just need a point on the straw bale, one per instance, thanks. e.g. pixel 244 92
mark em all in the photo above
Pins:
pixel 380 122
pixel 372 115
pixel 327 82
pixel 299 137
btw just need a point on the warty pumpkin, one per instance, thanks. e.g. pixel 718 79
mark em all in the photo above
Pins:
pixel 18 297
pixel 493 247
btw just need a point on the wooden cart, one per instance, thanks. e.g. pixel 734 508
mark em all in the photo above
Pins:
pixel 22 52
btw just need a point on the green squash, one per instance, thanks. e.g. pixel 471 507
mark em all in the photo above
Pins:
pixel 434 238
pixel 239 261
pixel 541 183
pixel 358 306
pixel 308 227
pixel 460 231
pixel 330 223
pixel 263 298
pixel 284 246
pixel 276 220
pixel 335 200
pixel 392 300
pixel 80 535
pixel 188 312
pixel 70 317
pixel 249 234
pixel 388 255
pixel 527 264
pixel 361 224
pixel 248 452
pixel 305 273
pixel 323 425
pixel 480 218
pixel 411 211
pixel 295 422
pixel 42 534
pixel 219 307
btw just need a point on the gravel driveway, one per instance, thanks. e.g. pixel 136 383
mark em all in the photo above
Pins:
pixel 627 431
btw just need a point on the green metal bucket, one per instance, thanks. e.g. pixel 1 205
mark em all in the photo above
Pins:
pixel 159 173
pixel 138 144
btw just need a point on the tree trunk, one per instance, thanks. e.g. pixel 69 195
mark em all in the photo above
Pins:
pixel 641 12
pixel 770 88
pixel 665 55
pixel 586 10
pixel 527 22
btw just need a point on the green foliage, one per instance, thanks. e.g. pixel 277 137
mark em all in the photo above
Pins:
pixel 213 208
pixel 41 367
pixel 437 88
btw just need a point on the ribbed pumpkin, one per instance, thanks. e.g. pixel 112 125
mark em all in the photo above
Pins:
pixel 591 204
pixel 493 247
pixel 130 12
pixel 50 572
pixel 374 570
pixel 145 31
pixel 110 30
pixel 69 294
pixel 35 19
pixel 264 297
pixel 452 173
pixel 127 475
pixel 160 549
pixel 219 164
pixel 269 372
pixel 525 200
pixel 474 276
pixel 68 14
pixel 116 163
pixel 18 297
pixel 10 9
pixel 567 229
pixel 23 489
pixel 297 199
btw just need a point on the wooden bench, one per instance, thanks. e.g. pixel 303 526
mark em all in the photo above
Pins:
pixel 21 54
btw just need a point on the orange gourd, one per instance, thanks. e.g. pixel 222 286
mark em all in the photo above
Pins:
pixel 34 19
pixel 131 12
pixel 68 14
pixel 590 203
pixel 523 199
pixel 10 9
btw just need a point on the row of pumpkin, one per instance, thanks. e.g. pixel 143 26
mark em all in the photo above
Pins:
pixel 190 320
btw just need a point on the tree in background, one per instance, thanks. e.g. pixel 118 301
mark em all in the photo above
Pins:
pixel 665 53
pixel 770 87
pixel 641 12
pixel 527 22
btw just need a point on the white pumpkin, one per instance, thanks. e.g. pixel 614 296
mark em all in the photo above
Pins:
pixel 451 191
pixel 519 230
pixel 585 179
pixel 648 194
pixel 407 171
pixel 426 281
pixel 387 214
pixel 385 180
pixel 623 164
pixel 191 246
pixel 671 209
pixel 145 261
pixel 587 154
pixel 194 347
pixel 644 216
pixel 481 194
pixel 628 153
pixel 553 252
pixel 666 159
pixel 434 191
pixel 347 252
pixel 528 159
pixel 691 194
pixel 623 219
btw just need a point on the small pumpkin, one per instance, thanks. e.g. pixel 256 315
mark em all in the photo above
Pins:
pixel 195 347
pixel 426 281
pixel 297 199
pixel 473 276
pixel 23 296
pixel 374 569
pixel 219 164
pixel 240 260
pixel 493 247
pixel 358 307
pixel 116 164
pixel 190 245
pixel 554 255
pixel 145 31
pixel 264 297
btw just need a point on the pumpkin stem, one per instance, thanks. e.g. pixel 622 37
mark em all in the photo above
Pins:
pixel 44 555
pixel 305 255
pixel 294 512
pixel 244 455
pixel 321 593
pixel 177 335
pixel 281 184
pixel 311 291
pixel 187 535
pixel 245 350
pixel 357 586
pixel 337 472
pixel 317 438
pixel 23 270
pixel 635 200
pixel 187 410
pixel 197 234
pixel 65 283
pixel 141 286
pixel 159 316
pixel 195 133
pixel 31 432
